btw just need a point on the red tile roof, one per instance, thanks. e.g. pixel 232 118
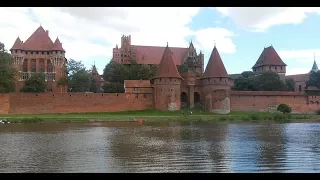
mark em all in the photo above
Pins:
pixel 57 45
pixel 153 54
pixel 18 45
pixel 167 67
pixel 215 66
pixel 38 41
pixel 269 56
pixel 299 77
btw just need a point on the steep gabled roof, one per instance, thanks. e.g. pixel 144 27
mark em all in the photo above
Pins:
pixel 167 67
pixel 269 56
pixel 94 69
pixel 39 41
pixel 215 67
pixel 18 45
pixel 57 45
pixel 153 54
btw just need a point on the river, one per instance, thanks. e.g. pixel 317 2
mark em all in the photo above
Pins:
pixel 118 147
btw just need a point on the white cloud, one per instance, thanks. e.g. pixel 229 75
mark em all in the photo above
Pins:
pixel 292 71
pixel 302 56
pixel 87 32
pixel 261 18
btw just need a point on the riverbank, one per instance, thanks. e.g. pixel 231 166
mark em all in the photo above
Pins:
pixel 157 115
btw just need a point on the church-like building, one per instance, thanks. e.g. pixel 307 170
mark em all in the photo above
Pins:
pixel 39 54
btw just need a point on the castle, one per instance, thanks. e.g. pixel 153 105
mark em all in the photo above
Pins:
pixel 168 90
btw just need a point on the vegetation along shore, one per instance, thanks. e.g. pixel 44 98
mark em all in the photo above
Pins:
pixel 157 115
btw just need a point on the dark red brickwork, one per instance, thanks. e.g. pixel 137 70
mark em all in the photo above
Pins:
pixel 31 103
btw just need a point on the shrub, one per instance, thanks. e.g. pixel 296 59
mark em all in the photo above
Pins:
pixel 284 108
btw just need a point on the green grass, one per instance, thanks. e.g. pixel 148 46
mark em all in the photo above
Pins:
pixel 156 115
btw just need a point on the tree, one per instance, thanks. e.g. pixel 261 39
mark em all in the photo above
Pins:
pixel 145 72
pixel 113 87
pixel 290 84
pixel 36 83
pixel 267 81
pixel 314 79
pixel 80 81
pixel 74 66
pixel 115 72
pixel 284 108
pixel 7 73
pixel 183 68
pixel 94 84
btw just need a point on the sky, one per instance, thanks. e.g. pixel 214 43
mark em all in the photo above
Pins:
pixel 88 34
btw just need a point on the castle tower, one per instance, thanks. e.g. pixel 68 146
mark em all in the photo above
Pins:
pixel 269 60
pixel 167 84
pixel 216 85
pixel 39 54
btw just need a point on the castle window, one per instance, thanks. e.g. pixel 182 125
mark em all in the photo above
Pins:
pixel 137 95
pixel 50 68
pixel 16 51
pixel 37 52
pixel 56 52
pixel 269 67
pixel 42 52
pixel 41 68
pixel 281 67
pixel 300 88
pixel 220 79
pixel 275 67
pixel 31 52
pixel 144 96
pixel 170 89
pixel 33 66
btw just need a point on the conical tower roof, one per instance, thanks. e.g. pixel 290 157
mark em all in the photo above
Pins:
pixel 18 45
pixel 269 56
pixel 215 67
pixel 94 69
pixel 167 67
pixel 57 45
pixel 314 67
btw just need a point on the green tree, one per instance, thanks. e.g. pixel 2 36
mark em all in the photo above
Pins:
pixel 74 66
pixel 290 84
pixel 183 68
pixel 268 81
pixel 7 73
pixel 145 72
pixel 284 108
pixel 113 87
pixel 36 83
pixel 247 74
pixel 115 72
pixel 94 84
pixel 80 81
pixel 243 84
pixel 314 79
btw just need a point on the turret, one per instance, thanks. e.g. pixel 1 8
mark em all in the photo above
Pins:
pixel 314 66
pixel 167 84
pixel 269 60
pixel 216 85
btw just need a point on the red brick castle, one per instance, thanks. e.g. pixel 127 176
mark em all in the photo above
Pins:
pixel 168 90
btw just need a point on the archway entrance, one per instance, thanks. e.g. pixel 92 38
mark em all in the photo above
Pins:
pixel 184 99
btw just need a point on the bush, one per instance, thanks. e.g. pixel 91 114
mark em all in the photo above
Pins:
pixel 284 108
pixel 318 112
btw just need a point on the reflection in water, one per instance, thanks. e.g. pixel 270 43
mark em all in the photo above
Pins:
pixel 160 147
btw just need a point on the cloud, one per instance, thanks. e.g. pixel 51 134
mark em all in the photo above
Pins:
pixel 87 32
pixel 293 71
pixel 305 56
pixel 259 19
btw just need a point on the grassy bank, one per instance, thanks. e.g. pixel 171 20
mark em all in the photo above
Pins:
pixel 156 115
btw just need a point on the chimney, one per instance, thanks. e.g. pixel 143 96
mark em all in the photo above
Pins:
pixel 47 31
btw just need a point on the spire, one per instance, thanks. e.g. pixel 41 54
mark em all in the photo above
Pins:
pixel 215 67
pixel 214 41
pixel 167 67
pixel 18 45
pixel 57 45
pixel 315 66
pixel 94 69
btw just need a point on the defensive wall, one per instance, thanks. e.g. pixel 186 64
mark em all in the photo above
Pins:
pixel 37 103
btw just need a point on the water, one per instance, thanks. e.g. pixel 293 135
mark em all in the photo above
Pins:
pixel 160 147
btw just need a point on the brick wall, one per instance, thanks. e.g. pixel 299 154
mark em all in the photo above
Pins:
pixel 265 101
pixel 4 104
pixel 31 103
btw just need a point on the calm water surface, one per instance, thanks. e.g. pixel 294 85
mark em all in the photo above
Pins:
pixel 160 147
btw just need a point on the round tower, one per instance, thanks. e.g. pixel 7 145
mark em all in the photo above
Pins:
pixel 216 85
pixel 166 84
